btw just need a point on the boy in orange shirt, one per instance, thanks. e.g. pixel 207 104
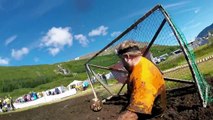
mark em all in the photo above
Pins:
pixel 145 81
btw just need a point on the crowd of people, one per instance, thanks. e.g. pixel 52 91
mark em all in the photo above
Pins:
pixel 28 97
pixel 6 104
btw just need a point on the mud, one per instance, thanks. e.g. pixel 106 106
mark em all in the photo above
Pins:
pixel 181 105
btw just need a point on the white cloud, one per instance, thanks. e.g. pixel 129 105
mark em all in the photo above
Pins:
pixel 18 54
pixel 45 7
pixel 4 61
pixel 53 51
pixel 10 39
pixel 115 34
pixel 191 27
pixel 82 39
pixel 137 14
pixel 102 30
pixel 175 5
pixel 56 38
pixel 192 10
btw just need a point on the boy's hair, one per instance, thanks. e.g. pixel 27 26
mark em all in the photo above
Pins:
pixel 129 47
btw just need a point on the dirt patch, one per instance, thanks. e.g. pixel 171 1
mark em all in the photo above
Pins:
pixel 182 104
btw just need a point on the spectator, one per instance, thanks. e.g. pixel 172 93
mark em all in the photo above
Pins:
pixel 1 103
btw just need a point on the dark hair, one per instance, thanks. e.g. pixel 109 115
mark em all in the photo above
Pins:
pixel 129 49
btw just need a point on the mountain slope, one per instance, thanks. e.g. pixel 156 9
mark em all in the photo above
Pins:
pixel 205 31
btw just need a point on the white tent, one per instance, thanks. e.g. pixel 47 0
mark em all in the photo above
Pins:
pixel 61 89
pixel 74 84
pixel 109 75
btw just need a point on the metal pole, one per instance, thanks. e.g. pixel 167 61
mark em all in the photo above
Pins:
pixel 184 51
pixel 121 88
pixel 178 80
pixel 89 76
pixel 100 81
pixel 107 68
pixel 155 36
pixel 126 31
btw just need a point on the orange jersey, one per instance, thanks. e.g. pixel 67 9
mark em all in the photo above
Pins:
pixel 145 83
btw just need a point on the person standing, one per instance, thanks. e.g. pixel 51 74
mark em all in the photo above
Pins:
pixel 7 101
pixel 11 102
pixel 1 103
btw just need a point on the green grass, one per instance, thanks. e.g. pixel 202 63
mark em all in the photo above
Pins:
pixel 158 50
pixel 17 81
pixel 206 68
pixel 171 62
pixel 204 51
pixel 20 80
pixel 200 52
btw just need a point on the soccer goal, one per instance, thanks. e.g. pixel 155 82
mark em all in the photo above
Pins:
pixel 166 46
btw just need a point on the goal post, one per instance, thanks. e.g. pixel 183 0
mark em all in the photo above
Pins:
pixel 168 46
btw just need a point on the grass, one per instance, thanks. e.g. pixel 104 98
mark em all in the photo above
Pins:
pixel 18 81
pixel 206 68
pixel 159 50
pixel 200 52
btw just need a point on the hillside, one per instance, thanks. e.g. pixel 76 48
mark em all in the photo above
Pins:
pixel 21 80
pixel 156 50
pixel 17 81
pixel 205 31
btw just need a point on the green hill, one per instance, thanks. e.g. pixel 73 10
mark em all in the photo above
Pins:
pixel 21 80
pixel 17 81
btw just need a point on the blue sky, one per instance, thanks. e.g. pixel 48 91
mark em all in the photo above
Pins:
pixel 51 31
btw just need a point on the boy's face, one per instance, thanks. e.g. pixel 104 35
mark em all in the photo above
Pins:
pixel 127 60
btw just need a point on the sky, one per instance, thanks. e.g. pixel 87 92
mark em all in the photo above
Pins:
pixel 34 32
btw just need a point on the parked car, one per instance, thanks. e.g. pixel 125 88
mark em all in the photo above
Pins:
pixel 156 60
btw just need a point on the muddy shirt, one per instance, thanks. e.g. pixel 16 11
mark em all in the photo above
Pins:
pixel 144 84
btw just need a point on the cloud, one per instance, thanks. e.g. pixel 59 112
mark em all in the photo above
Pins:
pixel 194 10
pixel 82 39
pixel 175 5
pixel 53 51
pixel 45 6
pixel 102 30
pixel 138 13
pixel 115 34
pixel 55 40
pixel 18 54
pixel 10 39
pixel 191 26
pixel 4 61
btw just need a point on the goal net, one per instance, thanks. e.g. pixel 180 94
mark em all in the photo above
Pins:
pixel 161 42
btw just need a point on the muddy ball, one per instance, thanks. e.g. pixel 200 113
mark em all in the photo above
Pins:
pixel 96 105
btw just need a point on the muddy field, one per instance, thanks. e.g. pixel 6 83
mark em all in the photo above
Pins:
pixel 181 105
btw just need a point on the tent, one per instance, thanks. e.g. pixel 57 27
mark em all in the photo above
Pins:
pixel 74 84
